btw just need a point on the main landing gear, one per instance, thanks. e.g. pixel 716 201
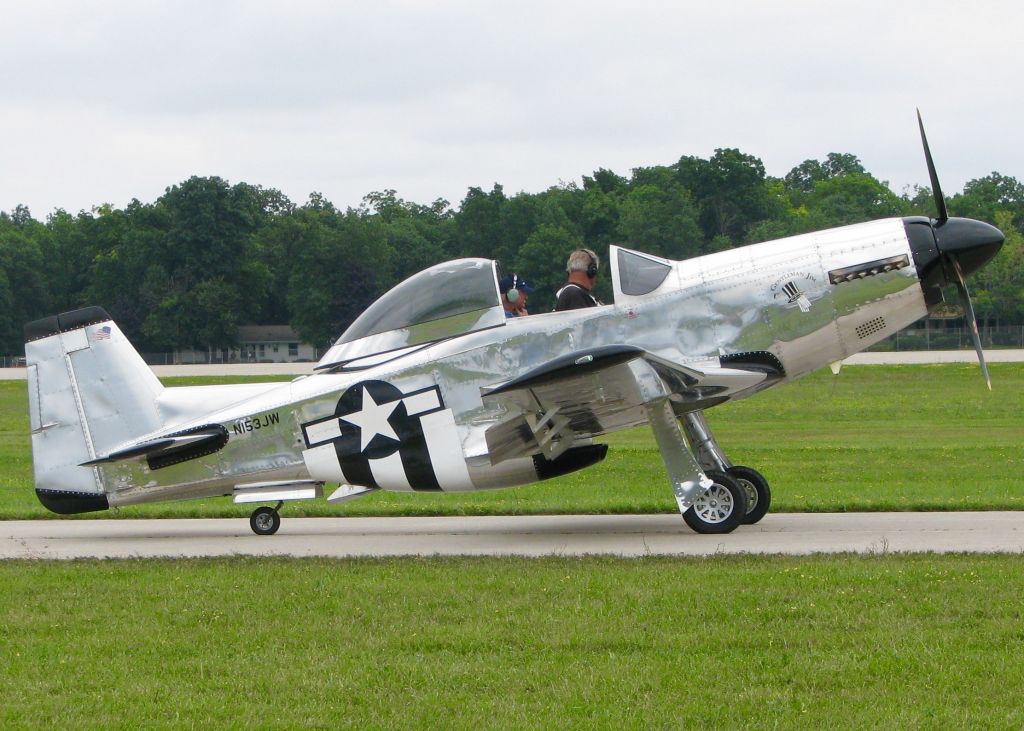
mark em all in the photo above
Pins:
pixel 720 508
pixel 265 521
pixel 711 457
pixel 713 495
pixel 759 495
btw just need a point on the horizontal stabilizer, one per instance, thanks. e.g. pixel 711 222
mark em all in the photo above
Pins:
pixel 170 449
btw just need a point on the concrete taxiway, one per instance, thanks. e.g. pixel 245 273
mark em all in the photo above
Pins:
pixel 546 535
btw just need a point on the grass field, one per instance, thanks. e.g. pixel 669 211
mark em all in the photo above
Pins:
pixel 726 642
pixel 877 641
pixel 873 438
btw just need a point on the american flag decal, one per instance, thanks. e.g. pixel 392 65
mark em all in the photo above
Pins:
pixel 381 437
pixel 101 333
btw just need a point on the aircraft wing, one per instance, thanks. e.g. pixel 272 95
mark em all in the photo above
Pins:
pixel 591 392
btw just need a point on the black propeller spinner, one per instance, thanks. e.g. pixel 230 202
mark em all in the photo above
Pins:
pixel 958 245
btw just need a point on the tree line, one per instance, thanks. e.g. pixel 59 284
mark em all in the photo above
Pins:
pixel 207 256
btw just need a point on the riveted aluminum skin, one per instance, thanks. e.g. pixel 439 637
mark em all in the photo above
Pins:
pixel 91 395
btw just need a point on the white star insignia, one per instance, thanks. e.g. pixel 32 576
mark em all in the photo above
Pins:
pixel 372 420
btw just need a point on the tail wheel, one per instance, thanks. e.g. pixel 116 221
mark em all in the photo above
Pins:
pixel 759 495
pixel 265 521
pixel 721 508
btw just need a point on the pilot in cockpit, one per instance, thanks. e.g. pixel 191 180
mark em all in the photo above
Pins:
pixel 514 293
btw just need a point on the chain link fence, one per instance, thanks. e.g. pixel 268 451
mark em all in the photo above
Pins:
pixel 940 337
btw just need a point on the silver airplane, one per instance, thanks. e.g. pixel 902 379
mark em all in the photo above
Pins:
pixel 432 388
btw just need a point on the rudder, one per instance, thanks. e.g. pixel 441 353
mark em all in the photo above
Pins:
pixel 89 391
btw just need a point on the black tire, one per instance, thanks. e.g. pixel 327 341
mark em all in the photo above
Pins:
pixel 759 495
pixel 265 521
pixel 721 508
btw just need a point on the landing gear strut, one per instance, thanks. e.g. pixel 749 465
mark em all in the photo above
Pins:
pixel 710 500
pixel 265 521
pixel 711 457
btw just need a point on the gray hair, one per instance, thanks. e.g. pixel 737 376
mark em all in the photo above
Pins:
pixel 581 259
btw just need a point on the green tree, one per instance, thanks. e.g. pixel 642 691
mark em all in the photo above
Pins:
pixel 338 264
pixel 420 236
pixel 24 294
pixel 997 289
pixel 728 190
pixel 851 198
pixel 983 197
pixel 600 214
pixel 660 221
pixel 605 181
pixel 209 254
pixel 804 176
pixel 520 217
pixel 478 229
pixel 124 245
pixel 541 261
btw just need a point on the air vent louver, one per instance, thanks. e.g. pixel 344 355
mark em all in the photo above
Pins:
pixel 871 327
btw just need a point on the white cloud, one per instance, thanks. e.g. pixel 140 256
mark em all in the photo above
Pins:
pixel 108 101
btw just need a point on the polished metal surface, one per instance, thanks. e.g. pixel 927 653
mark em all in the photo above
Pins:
pixel 698 433
pixel 417 416
pixel 715 504
pixel 685 476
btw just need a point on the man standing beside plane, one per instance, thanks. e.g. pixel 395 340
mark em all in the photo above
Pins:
pixel 582 269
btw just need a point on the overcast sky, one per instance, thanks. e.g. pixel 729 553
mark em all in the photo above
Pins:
pixel 102 102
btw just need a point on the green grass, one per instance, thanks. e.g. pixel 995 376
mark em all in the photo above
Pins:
pixel 873 438
pixel 488 643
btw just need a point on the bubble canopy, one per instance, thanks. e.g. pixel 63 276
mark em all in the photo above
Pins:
pixel 441 302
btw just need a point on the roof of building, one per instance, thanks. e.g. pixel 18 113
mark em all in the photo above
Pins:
pixel 267 334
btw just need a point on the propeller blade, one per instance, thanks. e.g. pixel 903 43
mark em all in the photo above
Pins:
pixel 965 299
pixel 940 202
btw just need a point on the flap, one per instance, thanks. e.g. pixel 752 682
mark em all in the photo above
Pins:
pixel 588 393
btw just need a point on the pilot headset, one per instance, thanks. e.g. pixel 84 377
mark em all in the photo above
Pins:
pixel 593 266
pixel 513 294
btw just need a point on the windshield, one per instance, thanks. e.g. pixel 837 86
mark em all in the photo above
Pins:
pixel 441 292
pixel 446 300
pixel 640 274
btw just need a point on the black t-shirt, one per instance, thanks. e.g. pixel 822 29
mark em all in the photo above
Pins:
pixel 573 297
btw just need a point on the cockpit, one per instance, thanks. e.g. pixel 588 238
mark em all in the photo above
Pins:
pixel 444 301
pixel 460 297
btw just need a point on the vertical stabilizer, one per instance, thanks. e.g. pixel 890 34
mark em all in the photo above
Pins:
pixel 89 391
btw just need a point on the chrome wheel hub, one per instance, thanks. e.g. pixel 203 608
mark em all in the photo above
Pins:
pixel 715 505
pixel 751 491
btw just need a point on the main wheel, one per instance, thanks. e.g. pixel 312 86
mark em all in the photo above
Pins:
pixel 721 508
pixel 265 521
pixel 759 495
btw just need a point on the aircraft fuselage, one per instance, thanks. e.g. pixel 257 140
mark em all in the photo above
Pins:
pixel 419 421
